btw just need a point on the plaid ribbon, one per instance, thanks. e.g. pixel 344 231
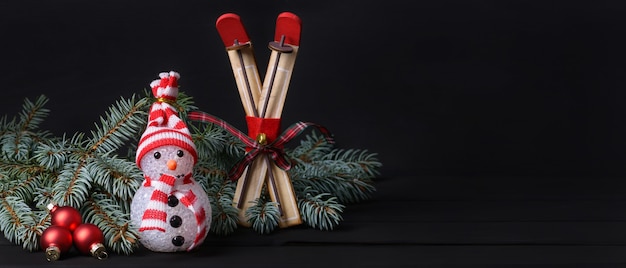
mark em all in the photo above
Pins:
pixel 273 149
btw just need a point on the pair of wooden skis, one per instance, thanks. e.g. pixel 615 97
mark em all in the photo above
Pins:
pixel 263 100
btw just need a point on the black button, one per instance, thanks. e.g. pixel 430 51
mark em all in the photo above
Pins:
pixel 172 201
pixel 178 241
pixel 176 221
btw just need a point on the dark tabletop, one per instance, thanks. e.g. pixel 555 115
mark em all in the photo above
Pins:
pixel 420 221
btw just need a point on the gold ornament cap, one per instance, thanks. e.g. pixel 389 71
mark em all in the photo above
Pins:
pixel 53 253
pixel 98 251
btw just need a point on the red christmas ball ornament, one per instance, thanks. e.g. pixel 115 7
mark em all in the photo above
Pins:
pixel 88 239
pixel 65 216
pixel 56 240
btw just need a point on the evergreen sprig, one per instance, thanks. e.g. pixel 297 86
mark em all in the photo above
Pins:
pixel 41 169
pixel 321 211
pixel 263 216
pixel 97 174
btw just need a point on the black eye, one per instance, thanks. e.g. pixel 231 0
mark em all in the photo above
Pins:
pixel 180 153
pixel 157 155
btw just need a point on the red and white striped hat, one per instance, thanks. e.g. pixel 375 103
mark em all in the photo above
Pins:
pixel 164 125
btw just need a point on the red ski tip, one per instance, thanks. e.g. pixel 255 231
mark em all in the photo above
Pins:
pixel 230 28
pixel 289 25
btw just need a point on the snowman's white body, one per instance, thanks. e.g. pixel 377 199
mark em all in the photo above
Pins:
pixel 170 240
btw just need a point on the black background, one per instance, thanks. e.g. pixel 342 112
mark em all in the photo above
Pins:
pixel 436 88
pixel 454 87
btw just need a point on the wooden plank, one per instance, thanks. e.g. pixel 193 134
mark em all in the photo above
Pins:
pixel 444 233
pixel 348 255
pixel 499 188
pixel 486 210
pixel 498 231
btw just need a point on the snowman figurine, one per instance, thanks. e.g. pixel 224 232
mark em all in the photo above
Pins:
pixel 171 210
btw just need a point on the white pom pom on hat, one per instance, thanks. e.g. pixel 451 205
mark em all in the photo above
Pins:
pixel 167 86
pixel 164 125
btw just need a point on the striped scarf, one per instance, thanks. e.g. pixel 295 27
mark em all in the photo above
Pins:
pixel 155 217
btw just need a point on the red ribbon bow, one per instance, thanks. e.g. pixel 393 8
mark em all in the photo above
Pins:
pixel 274 148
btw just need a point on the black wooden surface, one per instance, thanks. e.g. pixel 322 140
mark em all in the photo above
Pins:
pixel 500 124
pixel 415 221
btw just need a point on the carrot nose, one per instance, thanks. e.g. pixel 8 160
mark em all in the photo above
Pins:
pixel 171 164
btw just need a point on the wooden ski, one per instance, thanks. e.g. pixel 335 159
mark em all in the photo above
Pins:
pixel 243 63
pixel 263 102
pixel 275 86
pixel 241 53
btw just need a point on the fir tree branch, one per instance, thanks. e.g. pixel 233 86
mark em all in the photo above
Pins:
pixel 17 142
pixel 33 113
pixel 118 177
pixel 22 188
pixel 37 169
pixel 19 223
pixel 72 187
pixel 355 161
pixel 210 171
pixel 263 216
pixel 44 194
pixel 321 211
pixel 15 169
pixel 346 174
pixel 224 215
pixel 107 214
pixel 220 192
pixel 121 123
pixel 314 146
pixel 53 154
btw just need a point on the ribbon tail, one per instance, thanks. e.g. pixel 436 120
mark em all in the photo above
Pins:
pixel 237 170
pixel 208 118
pixel 281 161
pixel 296 129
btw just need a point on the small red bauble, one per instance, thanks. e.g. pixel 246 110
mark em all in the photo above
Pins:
pixel 88 239
pixel 56 240
pixel 65 216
